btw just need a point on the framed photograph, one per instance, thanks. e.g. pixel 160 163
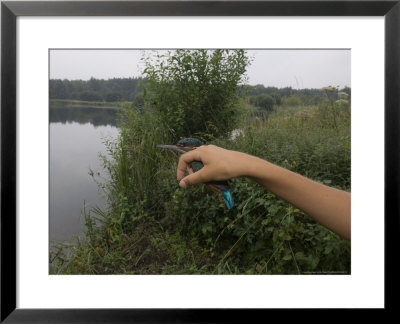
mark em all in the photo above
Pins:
pixel 100 99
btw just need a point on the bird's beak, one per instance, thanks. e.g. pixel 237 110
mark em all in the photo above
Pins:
pixel 171 147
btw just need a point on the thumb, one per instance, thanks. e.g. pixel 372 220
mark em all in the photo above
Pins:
pixel 194 178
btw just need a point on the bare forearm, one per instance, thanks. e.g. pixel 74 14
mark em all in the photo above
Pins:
pixel 328 206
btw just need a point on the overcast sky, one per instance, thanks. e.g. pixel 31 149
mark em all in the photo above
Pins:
pixel 280 68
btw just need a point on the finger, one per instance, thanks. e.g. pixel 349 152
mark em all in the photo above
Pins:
pixel 190 170
pixel 194 178
pixel 185 161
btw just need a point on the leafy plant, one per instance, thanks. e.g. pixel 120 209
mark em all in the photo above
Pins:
pixel 196 91
pixel 264 101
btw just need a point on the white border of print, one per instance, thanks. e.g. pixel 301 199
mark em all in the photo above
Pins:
pixel 37 289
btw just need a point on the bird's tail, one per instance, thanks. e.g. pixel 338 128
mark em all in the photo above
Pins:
pixel 226 194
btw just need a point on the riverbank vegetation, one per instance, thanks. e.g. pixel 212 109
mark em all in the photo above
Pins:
pixel 69 103
pixel 152 226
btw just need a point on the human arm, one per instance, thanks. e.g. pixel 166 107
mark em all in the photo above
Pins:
pixel 328 206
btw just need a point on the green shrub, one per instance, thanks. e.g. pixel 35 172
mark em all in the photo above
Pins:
pixel 292 101
pixel 277 99
pixel 196 91
pixel 263 101
pixel 138 101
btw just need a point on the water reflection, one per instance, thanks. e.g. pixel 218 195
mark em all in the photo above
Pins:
pixel 76 139
pixel 94 116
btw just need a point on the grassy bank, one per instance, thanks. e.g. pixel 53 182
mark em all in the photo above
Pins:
pixel 152 226
pixel 65 103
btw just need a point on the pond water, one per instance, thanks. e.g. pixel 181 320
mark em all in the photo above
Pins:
pixel 76 139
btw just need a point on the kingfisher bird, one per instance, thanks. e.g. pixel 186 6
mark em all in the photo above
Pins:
pixel 221 187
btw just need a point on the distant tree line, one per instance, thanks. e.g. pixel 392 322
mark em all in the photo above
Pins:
pixel 130 89
pixel 111 90
pixel 268 97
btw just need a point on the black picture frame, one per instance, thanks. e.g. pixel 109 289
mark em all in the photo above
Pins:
pixel 10 10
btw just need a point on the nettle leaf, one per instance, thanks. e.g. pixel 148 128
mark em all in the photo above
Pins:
pixel 206 228
pixel 287 257
pixel 259 201
pixel 290 219
pixel 266 221
pixel 300 256
pixel 273 210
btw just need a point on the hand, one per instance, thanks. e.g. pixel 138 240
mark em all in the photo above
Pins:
pixel 219 164
pixel 328 206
